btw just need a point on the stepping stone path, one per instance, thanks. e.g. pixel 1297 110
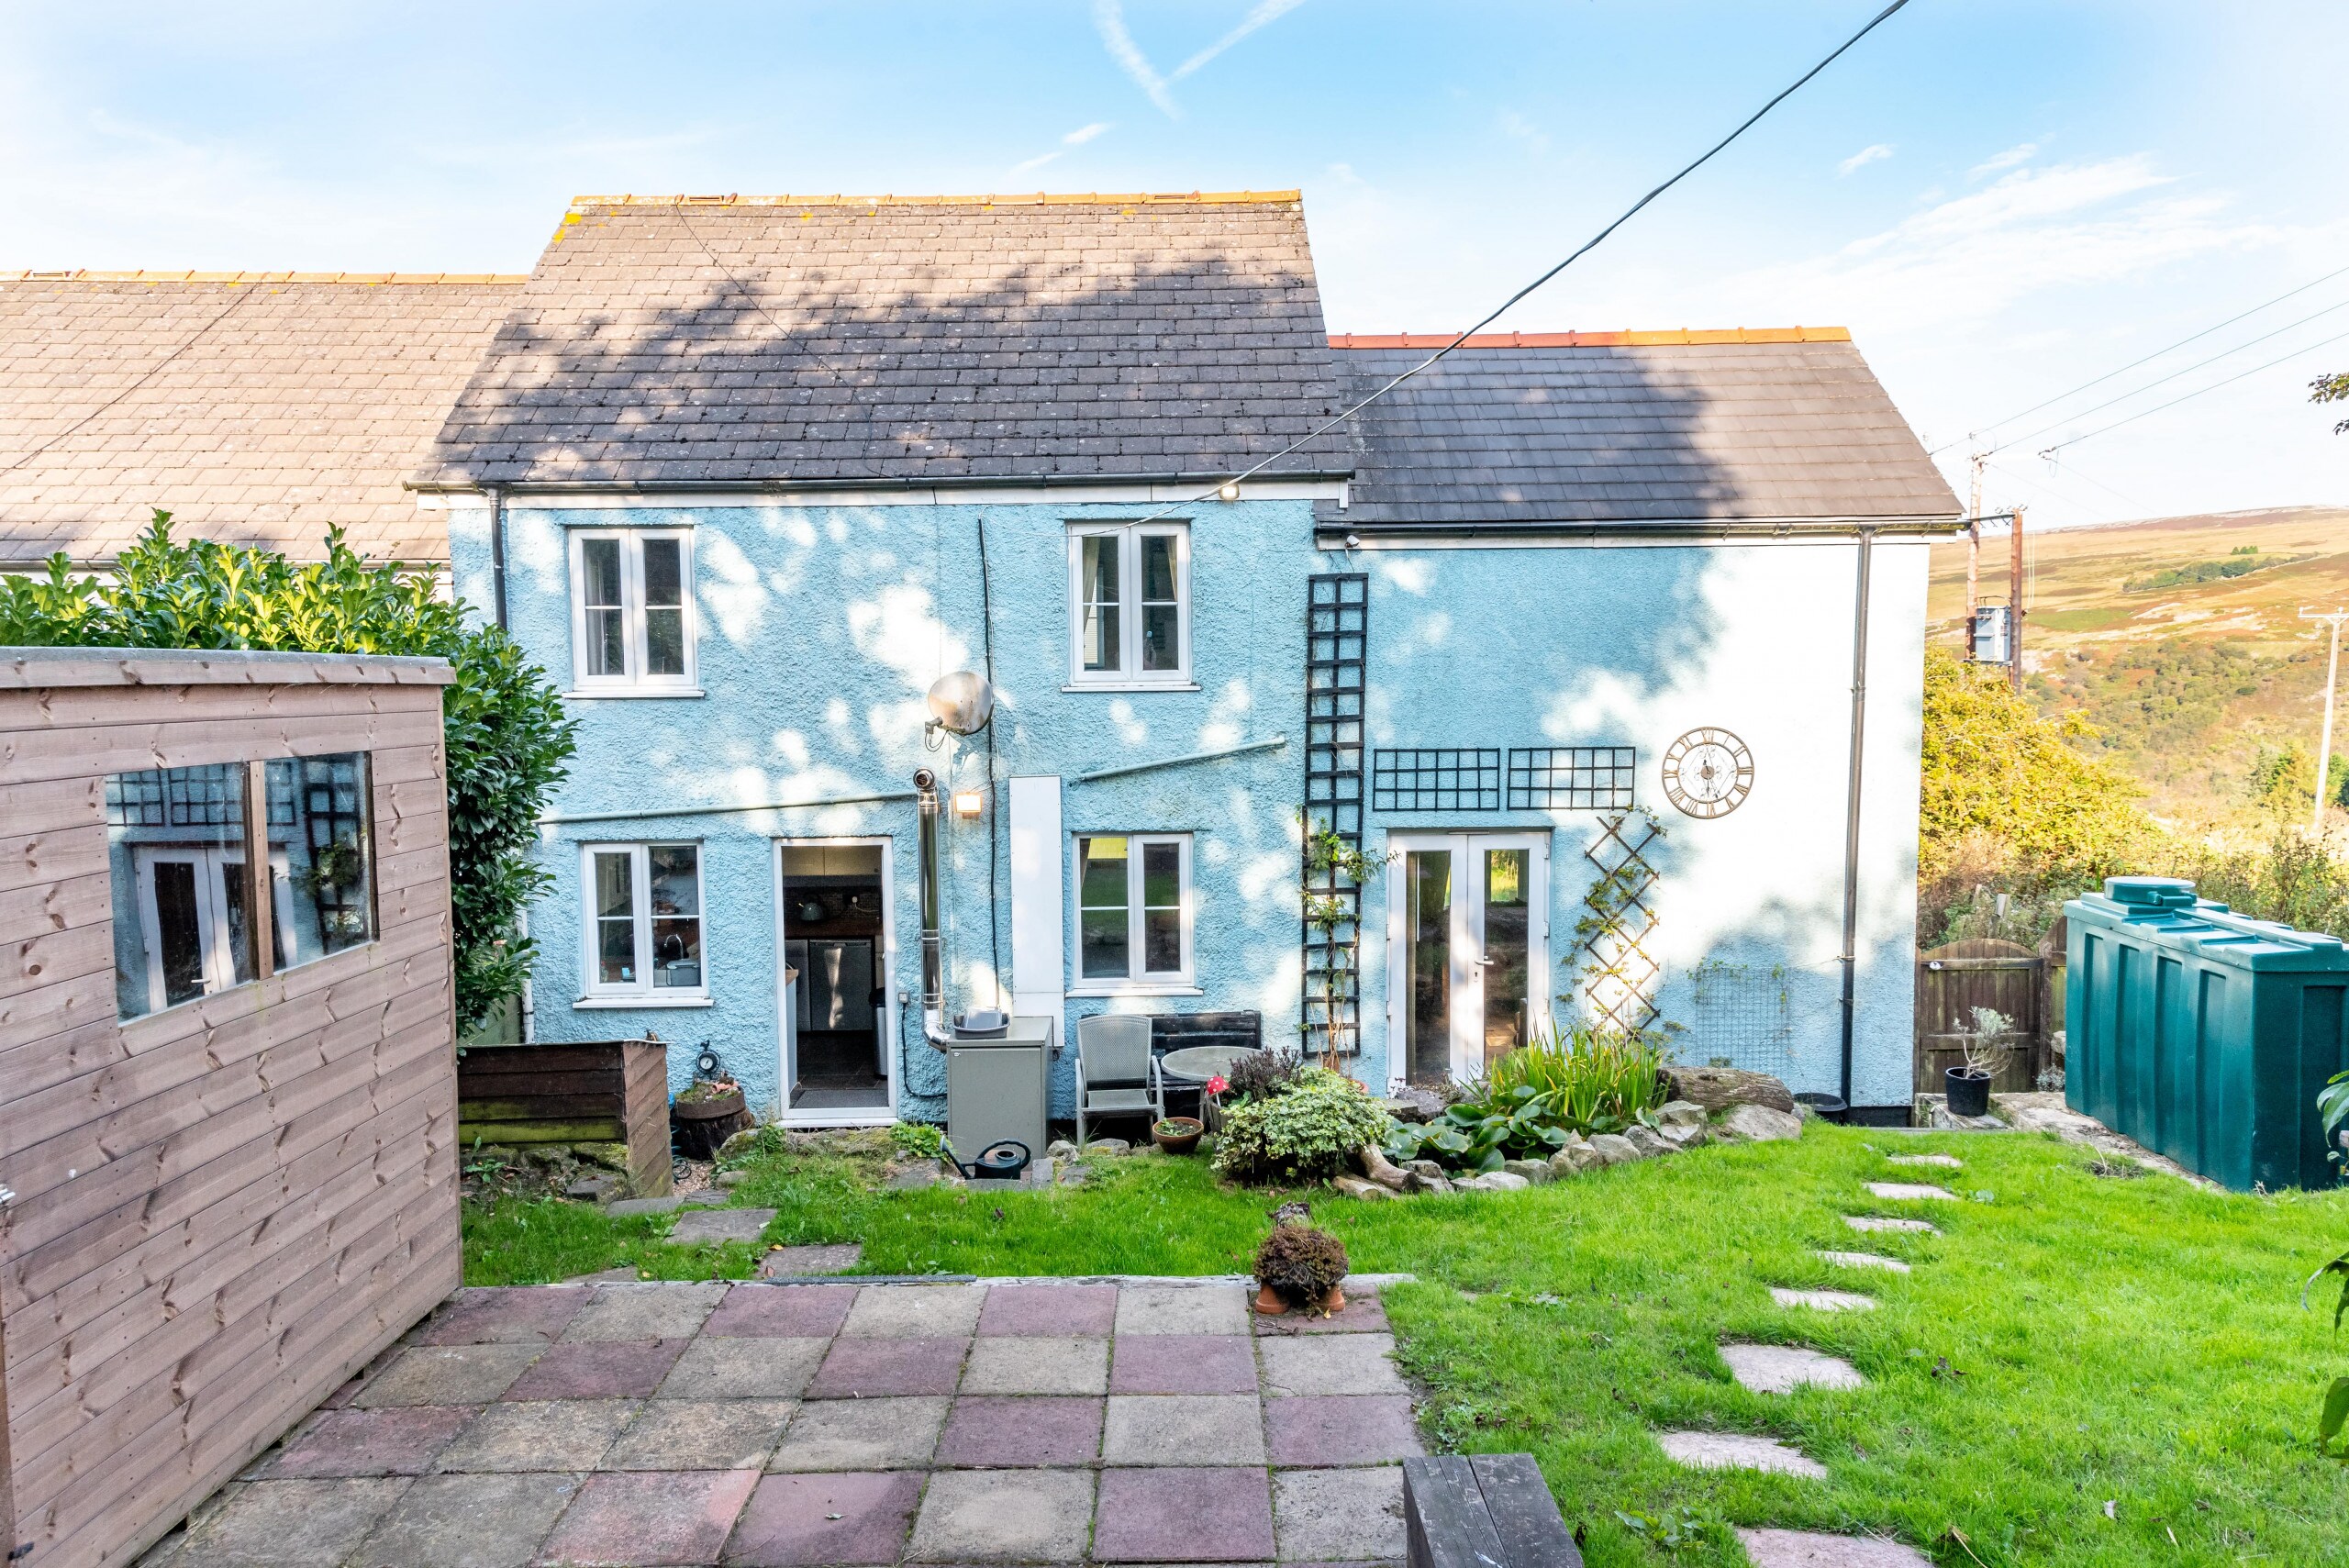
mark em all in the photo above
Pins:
pixel 1824 1300
pixel 1863 1260
pixel 1061 1422
pixel 1782 1369
pixel 1737 1450
pixel 696 1226
pixel 1946 1162
pixel 1889 1222
pixel 1802 1548
pixel 1912 1192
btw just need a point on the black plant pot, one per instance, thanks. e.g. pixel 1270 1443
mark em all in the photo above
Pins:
pixel 1969 1091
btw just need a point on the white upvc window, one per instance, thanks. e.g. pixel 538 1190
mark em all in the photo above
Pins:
pixel 631 610
pixel 1130 603
pixel 1134 907
pixel 644 936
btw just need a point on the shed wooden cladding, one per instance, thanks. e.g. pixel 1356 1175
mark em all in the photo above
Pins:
pixel 600 1092
pixel 222 1210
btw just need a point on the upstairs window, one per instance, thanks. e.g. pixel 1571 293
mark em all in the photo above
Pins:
pixel 1133 913
pixel 631 616
pixel 1129 604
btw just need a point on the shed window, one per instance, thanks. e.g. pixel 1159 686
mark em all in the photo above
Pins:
pixel 631 614
pixel 185 910
pixel 644 921
pixel 1129 604
pixel 1133 911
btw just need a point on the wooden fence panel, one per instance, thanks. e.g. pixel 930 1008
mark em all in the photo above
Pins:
pixel 1956 978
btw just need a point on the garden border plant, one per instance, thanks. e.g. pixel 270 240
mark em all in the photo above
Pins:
pixel 507 738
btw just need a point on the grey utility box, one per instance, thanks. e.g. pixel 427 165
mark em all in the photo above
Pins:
pixel 998 1089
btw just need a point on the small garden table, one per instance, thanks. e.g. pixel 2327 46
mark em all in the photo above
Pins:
pixel 1191 1067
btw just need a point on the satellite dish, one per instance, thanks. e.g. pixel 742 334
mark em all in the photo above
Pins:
pixel 960 703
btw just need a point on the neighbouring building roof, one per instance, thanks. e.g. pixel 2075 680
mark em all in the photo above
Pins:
pixel 1592 428
pixel 256 407
pixel 683 342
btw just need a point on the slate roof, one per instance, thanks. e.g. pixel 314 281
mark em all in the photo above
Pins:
pixel 683 342
pixel 257 408
pixel 1593 428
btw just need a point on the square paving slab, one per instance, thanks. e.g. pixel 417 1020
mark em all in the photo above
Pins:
pixel 1345 1428
pixel 1946 1162
pixel 1183 1309
pixel 447 1375
pixel 1912 1192
pixel 858 1517
pixel 801 1262
pixel 649 1519
pixel 716 1368
pixel 1185 1516
pixel 994 1431
pixel 1183 1363
pixel 912 1312
pixel 658 1311
pixel 397 1440
pixel 866 1369
pixel 1332 1363
pixel 1050 1309
pixel 1037 1364
pixel 599 1369
pixel 700 1434
pixel 468 1521
pixel 291 1524
pixel 525 1435
pixel 482 1316
pixel 860 1434
pixel 1184 1428
pixel 1338 1516
pixel 1003 1515
pixel 781 1311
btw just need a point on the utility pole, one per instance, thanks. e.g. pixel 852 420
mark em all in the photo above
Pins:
pixel 2014 607
pixel 2331 670
pixel 1974 556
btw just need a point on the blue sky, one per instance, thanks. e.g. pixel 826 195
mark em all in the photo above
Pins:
pixel 2001 199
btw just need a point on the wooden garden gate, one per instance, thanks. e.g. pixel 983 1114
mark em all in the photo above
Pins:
pixel 1980 972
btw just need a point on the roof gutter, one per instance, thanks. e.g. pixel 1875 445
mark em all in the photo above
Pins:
pixel 1329 535
pixel 1208 481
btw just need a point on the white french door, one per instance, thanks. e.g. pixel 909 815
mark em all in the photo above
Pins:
pixel 1468 950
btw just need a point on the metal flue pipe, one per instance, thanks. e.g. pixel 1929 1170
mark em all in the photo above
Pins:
pixel 933 945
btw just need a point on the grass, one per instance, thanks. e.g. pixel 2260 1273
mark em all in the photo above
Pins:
pixel 2069 1340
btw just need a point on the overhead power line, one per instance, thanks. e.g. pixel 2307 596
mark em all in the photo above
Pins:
pixel 2157 353
pixel 1229 486
pixel 2164 381
pixel 2296 354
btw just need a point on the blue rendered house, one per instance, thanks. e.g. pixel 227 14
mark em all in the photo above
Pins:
pixel 1566 613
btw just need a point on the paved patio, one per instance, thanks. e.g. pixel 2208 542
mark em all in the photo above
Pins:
pixel 772 1424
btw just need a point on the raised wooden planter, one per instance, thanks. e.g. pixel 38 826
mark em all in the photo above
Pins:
pixel 604 1093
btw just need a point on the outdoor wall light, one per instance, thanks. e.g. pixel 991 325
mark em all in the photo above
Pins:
pixel 969 803
pixel 1230 491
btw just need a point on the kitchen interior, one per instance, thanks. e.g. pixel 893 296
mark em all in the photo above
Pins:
pixel 836 1001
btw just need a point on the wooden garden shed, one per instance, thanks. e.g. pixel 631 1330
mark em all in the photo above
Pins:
pixel 227 1098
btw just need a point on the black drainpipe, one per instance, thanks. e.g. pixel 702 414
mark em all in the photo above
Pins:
pixel 497 551
pixel 1852 809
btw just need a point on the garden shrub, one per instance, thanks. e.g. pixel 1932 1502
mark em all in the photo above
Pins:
pixel 1259 1075
pixel 918 1138
pixel 1301 1264
pixel 1312 1131
pixel 1579 1080
pixel 507 736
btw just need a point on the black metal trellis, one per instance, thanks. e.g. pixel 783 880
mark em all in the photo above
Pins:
pixel 1436 778
pixel 1619 975
pixel 1576 778
pixel 1337 636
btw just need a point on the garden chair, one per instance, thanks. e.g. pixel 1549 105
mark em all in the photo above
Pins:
pixel 1116 1074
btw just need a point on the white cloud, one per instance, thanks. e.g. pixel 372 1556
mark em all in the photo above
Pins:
pixel 1032 164
pixel 1866 156
pixel 1264 11
pixel 1109 21
pixel 2007 160
pixel 1519 128
pixel 1969 257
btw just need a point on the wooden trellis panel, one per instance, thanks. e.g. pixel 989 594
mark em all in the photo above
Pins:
pixel 1619 974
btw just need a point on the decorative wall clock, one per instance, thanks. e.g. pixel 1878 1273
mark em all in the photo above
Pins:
pixel 1708 772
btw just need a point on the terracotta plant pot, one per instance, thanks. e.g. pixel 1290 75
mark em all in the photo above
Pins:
pixel 1185 1140
pixel 1333 1303
pixel 1269 1302
pixel 698 1126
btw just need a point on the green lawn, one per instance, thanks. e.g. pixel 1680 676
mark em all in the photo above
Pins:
pixel 2070 1339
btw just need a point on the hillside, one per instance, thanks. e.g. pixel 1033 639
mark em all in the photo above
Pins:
pixel 2179 638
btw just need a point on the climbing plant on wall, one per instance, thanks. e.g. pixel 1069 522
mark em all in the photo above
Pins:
pixel 506 735
pixel 1335 873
